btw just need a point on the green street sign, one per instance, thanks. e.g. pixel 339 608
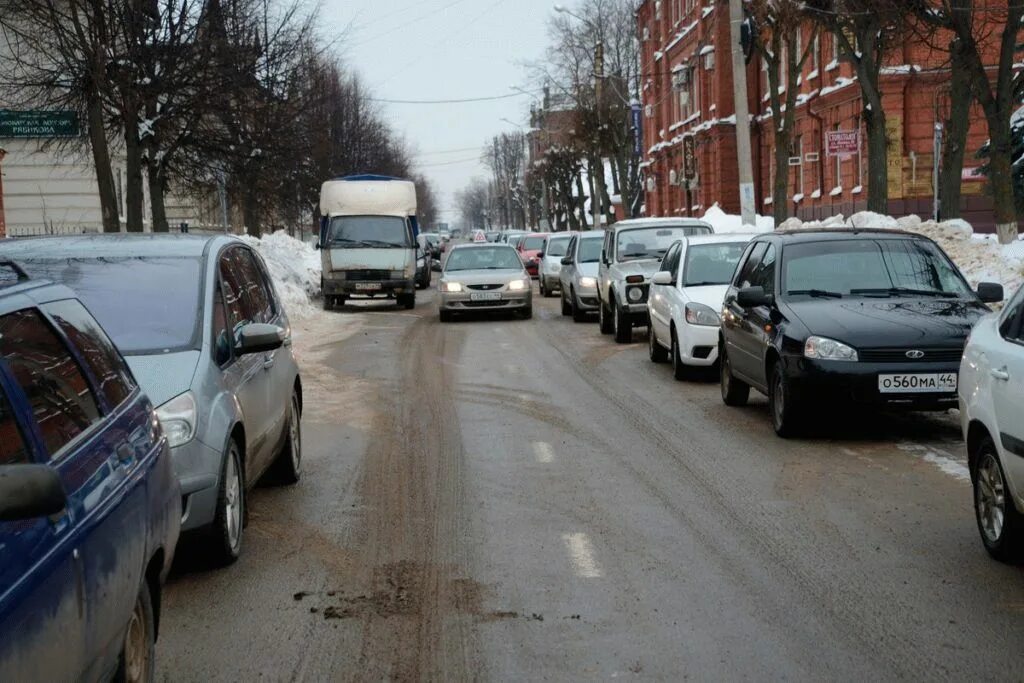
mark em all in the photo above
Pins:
pixel 38 124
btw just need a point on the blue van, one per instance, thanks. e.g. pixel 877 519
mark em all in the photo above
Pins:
pixel 90 508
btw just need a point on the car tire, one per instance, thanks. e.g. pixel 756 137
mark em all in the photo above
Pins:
pixel 735 392
pixel 680 370
pixel 541 288
pixel 578 314
pixel 228 522
pixel 446 316
pixel 528 312
pixel 785 407
pixel 566 308
pixel 999 522
pixel 287 468
pixel 137 662
pixel 328 302
pixel 604 318
pixel 622 326
pixel 407 301
pixel 655 350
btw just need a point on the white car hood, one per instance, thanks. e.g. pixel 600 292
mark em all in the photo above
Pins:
pixel 709 295
pixel 587 269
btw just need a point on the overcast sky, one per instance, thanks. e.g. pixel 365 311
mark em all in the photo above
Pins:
pixel 444 49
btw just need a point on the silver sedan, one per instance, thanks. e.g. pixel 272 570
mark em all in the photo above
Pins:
pixel 484 277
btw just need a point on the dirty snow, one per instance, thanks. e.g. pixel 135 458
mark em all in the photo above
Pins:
pixel 295 268
pixel 723 222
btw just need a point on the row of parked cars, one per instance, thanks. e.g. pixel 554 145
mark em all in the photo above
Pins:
pixel 146 384
pixel 817 320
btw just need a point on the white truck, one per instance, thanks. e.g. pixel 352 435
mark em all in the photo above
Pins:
pixel 368 241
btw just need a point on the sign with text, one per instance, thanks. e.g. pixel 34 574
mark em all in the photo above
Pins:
pixel 842 143
pixel 689 157
pixel 38 124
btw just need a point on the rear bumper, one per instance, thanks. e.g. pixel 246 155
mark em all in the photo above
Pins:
pixel 857 383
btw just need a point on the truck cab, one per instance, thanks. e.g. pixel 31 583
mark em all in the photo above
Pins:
pixel 368 239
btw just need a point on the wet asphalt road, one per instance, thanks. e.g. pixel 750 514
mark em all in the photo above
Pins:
pixel 526 500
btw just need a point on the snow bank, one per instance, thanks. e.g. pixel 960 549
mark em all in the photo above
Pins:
pixel 724 222
pixel 295 268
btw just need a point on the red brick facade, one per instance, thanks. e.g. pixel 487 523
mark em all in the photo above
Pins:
pixel 691 37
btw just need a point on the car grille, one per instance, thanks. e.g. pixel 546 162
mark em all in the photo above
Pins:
pixel 485 304
pixel 946 355
pixel 485 287
pixel 368 275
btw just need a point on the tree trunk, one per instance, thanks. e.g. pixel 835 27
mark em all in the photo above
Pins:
pixel 156 198
pixel 1000 176
pixel 250 212
pixel 133 185
pixel 101 160
pixel 954 148
pixel 878 161
pixel 581 200
pixel 780 188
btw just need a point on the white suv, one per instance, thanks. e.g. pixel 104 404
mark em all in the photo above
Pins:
pixel 992 413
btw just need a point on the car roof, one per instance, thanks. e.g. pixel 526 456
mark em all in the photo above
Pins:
pixel 112 246
pixel 660 223
pixel 480 245
pixel 537 234
pixel 720 238
pixel 832 234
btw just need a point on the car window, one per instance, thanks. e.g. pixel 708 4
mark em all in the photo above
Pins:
pixel 745 276
pixel 764 274
pixel 589 250
pixel 12 444
pixel 556 247
pixel 111 374
pixel 671 260
pixel 62 401
pixel 222 347
pixel 232 287
pixel 607 249
pixel 483 258
pixel 711 264
pixel 533 243
pixel 1012 325
pixel 256 293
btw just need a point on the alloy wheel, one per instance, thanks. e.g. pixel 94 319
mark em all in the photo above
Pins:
pixel 136 646
pixel 233 500
pixel 295 435
pixel 990 498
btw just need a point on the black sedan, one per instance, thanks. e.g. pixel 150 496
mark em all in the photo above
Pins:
pixel 826 319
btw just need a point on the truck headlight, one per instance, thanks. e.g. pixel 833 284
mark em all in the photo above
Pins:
pixel 178 417
pixel 451 287
pixel 588 283
pixel 823 348
pixel 699 314
pixel 517 285
pixel 635 295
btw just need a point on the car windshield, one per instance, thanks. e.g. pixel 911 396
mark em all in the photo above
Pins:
pixel 869 267
pixel 368 232
pixel 711 264
pixel 590 250
pixel 557 246
pixel 532 243
pixel 649 243
pixel 483 258
pixel 146 304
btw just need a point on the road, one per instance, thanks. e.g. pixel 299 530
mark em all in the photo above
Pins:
pixel 526 500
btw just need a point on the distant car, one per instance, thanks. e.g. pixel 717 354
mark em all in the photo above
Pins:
pixel 511 237
pixel 530 247
pixel 550 262
pixel 840 317
pixel 492 235
pixel 433 243
pixel 578 276
pixel 203 330
pixel 424 261
pixel 992 413
pixel 631 254
pixel 686 298
pixel 484 277
pixel 90 509
pixel 445 236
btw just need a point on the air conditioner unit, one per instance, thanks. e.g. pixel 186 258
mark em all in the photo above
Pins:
pixel 672 177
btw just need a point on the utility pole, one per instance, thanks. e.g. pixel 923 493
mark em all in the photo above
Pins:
pixel 595 199
pixel 739 85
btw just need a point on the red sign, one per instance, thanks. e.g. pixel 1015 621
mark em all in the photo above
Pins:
pixel 842 143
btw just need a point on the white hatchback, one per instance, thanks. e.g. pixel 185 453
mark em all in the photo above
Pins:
pixel 686 298
pixel 992 414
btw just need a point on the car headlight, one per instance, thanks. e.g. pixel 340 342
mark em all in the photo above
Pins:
pixel 178 417
pixel 699 314
pixel 635 295
pixel 517 285
pixel 451 287
pixel 823 348
pixel 588 283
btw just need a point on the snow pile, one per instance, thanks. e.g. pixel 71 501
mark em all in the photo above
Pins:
pixel 724 222
pixel 295 268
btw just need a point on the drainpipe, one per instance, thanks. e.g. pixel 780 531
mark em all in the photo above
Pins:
pixel 3 220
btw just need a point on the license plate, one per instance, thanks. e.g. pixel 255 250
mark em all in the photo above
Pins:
pixel 367 286
pixel 942 383
pixel 485 296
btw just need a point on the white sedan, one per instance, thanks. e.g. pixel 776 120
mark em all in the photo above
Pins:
pixel 686 297
pixel 992 413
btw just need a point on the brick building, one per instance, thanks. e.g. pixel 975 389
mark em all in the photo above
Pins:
pixel 687 90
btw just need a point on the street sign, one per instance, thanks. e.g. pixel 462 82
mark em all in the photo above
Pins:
pixel 842 143
pixel 689 157
pixel 38 124
pixel 637 130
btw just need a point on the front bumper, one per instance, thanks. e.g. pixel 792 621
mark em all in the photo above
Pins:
pixel 698 345
pixel 586 299
pixel 198 468
pixel 463 301
pixel 349 288
pixel 857 383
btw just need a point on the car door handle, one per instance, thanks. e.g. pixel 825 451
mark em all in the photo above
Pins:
pixel 1002 375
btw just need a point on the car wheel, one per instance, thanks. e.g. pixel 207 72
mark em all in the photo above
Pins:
pixel 655 350
pixel 541 288
pixel 623 326
pixel 527 312
pixel 578 314
pixel 999 521
pixel 226 541
pixel 328 302
pixel 407 301
pixel 137 663
pixel 566 308
pixel 679 369
pixel 604 318
pixel 735 392
pixel 446 316
pixel 288 467
pixel 787 413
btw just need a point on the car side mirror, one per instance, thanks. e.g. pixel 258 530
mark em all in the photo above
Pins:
pixel 990 292
pixel 30 492
pixel 259 338
pixel 567 261
pixel 318 246
pixel 663 277
pixel 752 297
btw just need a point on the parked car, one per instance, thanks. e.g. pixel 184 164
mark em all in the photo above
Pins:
pixel 631 254
pixel 203 330
pixel 424 261
pixel 492 235
pixel 484 277
pixel 511 237
pixel 841 317
pixel 578 276
pixel 686 297
pixel 550 262
pixel 530 247
pixel 90 508
pixel 992 413
pixel 432 242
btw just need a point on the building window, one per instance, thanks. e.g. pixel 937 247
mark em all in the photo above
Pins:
pixel 860 152
pixel 815 50
pixel 796 160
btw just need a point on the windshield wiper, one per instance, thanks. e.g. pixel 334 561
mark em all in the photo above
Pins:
pixel 346 242
pixel 822 293
pixel 381 243
pixel 904 291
